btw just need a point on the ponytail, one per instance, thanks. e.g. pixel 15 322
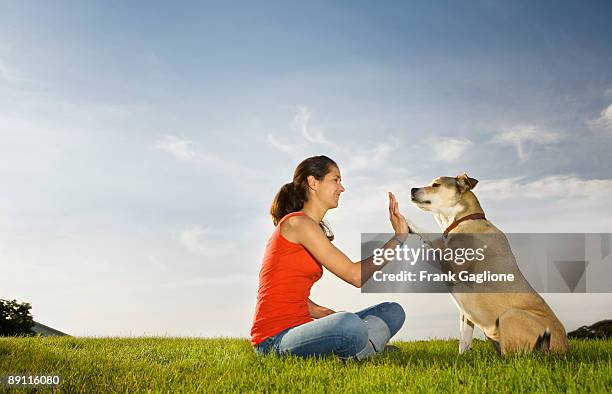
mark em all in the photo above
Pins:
pixel 288 199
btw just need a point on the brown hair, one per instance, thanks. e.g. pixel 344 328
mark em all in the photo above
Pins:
pixel 292 196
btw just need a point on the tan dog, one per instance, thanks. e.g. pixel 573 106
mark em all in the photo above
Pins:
pixel 516 321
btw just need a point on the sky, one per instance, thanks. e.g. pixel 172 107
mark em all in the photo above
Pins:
pixel 141 144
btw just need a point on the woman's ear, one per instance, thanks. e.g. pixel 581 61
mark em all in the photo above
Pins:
pixel 312 182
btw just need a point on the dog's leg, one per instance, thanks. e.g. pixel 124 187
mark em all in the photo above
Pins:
pixel 416 229
pixel 520 331
pixel 466 333
pixel 427 237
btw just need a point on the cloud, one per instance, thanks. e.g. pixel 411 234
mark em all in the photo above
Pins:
pixel 522 136
pixel 348 156
pixel 311 133
pixel 157 263
pixel 205 242
pixel 4 73
pixel 279 145
pixel 226 280
pixel 604 122
pixel 197 240
pixel 449 149
pixel 369 158
pixel 8 75
pixel 556 186
pixel 182 149
pixel 154 59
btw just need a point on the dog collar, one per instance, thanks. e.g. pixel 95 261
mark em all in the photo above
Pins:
pixel 474 216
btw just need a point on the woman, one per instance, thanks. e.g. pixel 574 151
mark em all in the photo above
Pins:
pixel 284 321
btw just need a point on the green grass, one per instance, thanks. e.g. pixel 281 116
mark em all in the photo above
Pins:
pixel 186 364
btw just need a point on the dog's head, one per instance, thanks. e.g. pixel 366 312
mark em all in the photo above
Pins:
pixel 443 193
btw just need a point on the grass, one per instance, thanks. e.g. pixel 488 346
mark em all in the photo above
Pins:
pixel 222 364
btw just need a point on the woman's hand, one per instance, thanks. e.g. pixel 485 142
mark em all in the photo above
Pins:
pixel 323 311
pixel 318 311
pixel 398 221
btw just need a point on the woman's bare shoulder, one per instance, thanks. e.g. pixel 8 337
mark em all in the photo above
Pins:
pixel 298 221
pixel 295 226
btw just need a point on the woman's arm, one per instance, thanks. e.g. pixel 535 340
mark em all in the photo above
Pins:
pixel 318 311
pixel 309 234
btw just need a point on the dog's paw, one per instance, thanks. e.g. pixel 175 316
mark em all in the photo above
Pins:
pixel 412 228
pixel 464 347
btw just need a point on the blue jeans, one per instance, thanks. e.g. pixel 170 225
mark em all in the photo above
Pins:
pixel 345 334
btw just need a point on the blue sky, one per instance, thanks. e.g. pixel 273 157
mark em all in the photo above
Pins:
pixel 142 144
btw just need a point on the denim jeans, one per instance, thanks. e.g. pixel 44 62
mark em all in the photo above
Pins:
pixel 345 334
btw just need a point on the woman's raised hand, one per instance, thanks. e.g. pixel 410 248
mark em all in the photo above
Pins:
pixel 398 221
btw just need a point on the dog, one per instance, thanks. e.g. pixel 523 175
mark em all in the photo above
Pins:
pixel 514 321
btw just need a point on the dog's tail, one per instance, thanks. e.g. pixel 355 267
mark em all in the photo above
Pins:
pixel 543 342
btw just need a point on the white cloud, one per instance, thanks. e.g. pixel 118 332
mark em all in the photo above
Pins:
pixel 348 156
pixel 522 136
pixel 369 158
pixel 9 75
pixel 556 186
pixel 226 280
pixel 154 59
pixel 279 145
pixel 157 263
pixel 311 133
pixel 450 149
pixel 604 122
pixel 182 149
pixel 4 73
pixel 204 242
pixel 195 239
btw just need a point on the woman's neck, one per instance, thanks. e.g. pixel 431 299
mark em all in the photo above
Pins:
pixel 314 212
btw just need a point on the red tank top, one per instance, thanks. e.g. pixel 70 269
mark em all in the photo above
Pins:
pixel 287 274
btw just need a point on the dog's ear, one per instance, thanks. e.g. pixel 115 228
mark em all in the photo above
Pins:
pixel 466 183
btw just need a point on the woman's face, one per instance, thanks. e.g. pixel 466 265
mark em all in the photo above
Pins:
pixel 329 189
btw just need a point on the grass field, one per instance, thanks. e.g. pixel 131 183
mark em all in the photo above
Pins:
pixel 186 364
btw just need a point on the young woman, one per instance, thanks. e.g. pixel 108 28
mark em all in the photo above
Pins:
pixel 284 321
